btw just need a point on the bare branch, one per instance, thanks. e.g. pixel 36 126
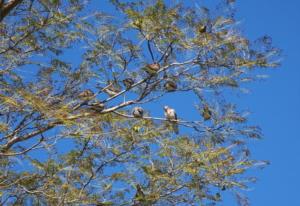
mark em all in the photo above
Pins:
pixel 8 7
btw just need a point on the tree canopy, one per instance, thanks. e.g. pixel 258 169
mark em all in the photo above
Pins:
pixel 78 85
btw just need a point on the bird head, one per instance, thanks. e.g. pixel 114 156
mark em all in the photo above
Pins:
pixel 166 108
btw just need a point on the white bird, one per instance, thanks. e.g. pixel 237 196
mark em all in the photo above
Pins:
pixel 138 112
pixel 171 115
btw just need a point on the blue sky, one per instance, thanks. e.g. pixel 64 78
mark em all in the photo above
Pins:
pixel 274 103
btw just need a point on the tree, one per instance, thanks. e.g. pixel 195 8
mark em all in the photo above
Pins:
pixel 75 85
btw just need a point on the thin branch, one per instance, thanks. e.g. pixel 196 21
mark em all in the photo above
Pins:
pixel 150 50
pixel 190 124
pixel 24 151
pixel 8 7
pixel 99 168
pixel 16 139
pixel 147 78
pixel 166 53
pixel 154 118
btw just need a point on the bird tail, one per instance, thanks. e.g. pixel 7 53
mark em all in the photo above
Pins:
pixel 173 126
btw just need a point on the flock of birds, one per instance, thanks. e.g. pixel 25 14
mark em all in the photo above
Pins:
pixel 138 112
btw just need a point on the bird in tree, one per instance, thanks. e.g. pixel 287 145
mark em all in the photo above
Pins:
pixel 202 28
pixel 129 48
pixel 170 86
pixel 139 199
pixel 86 94
pixel 152 69
pixel 96 106
pixel 128 82
pixel 171 116
pixel 206 113
pixel 112 89
pixel 138 112
pixel 170 113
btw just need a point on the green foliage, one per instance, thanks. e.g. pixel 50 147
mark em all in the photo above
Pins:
pixel 58 148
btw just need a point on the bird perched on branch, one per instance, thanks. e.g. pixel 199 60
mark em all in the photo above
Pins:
pixel 202 28
pixel 138 112
pixel 128 82
pixel 170 86
pixel 112 89
pixel 152 69
pixel 139 199
pixel 96 106
pixel 171 115
pixel 206 113
pixel 86 94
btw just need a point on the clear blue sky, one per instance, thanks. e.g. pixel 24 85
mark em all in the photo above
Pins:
pixel 274 103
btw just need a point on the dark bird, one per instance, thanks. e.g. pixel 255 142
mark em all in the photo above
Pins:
pixel 139 199
pixel 86 94
pixel 202 28
pixel 128 82
pixel 152 69
pixel 171 115
pixel 96 106
pixel 170 86
pixel 138 112
pixel 206 113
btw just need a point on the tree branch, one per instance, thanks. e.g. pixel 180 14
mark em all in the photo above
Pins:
pixel 8 7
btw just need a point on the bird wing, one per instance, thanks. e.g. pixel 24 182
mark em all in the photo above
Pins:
pixel 175 115
pixel 172 114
